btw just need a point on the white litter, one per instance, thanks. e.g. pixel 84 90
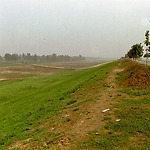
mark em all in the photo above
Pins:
pixel 105 110
pixel 53 129
pixel 118 120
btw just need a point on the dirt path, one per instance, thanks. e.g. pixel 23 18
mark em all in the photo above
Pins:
pixel 45 66
pixel 94 65
pixel 89 117
pixel 76 125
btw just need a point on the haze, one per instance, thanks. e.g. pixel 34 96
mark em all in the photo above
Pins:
pixel 97 28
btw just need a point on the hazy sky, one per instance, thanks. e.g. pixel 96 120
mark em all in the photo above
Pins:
pixel 101 28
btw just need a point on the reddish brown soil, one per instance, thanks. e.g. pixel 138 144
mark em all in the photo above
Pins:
pixel 136 75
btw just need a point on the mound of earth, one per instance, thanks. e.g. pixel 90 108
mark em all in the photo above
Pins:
pixel 136 75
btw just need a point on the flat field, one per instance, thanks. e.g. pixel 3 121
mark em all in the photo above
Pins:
pixel 65 110
pixel 11 71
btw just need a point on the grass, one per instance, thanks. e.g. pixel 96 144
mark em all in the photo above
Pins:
pixel 28 104
pixel 135 91
pixel 134 114
pixel 13 63
pixel 75 109
pixel 133 131
pixel 6 64
pixel 25 104
pixel 71 102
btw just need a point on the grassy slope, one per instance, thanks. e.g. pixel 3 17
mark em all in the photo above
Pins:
pixel 23 103
pixel 133 131
pixel 26 104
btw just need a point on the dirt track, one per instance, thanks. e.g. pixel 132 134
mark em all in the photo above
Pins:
pixel 90 115
pixel 94 65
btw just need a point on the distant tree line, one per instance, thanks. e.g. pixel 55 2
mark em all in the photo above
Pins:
pixel 36 58
pixel 137 50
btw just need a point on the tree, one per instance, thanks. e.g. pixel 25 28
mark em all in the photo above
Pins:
pixel 54 57
pixel 147 43
pixel 29 57
pixel 7 57
pixel 35 58
pixel 147 55
pixel 136 51
pixel 129 54
pixel 1 58
pixel 14 57
pixel 126 56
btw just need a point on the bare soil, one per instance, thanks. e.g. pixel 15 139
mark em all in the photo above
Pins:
pixel 34 70
pixel 27 71
pixel 136 75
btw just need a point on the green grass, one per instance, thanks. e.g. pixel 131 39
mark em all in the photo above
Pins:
pixel 71 102
pixel 134 124
pixel 135 91
pixel 6 64
pixel 133 131
pixel 13 63
pixel 25 104
pixel 134 115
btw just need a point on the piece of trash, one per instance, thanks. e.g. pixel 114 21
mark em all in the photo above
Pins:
pixel 97 133
pixel 105 110
pixel 45 144
pixel 118 120
pixel 67 115
pixel 81 123
pixel 53 129
pixel 80 114
pixel 147 118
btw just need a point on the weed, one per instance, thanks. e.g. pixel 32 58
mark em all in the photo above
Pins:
pixel 76 109
pixel 71 102
pixel 66 120
pixel 106 118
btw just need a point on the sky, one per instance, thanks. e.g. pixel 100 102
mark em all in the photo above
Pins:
pixel 93 28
